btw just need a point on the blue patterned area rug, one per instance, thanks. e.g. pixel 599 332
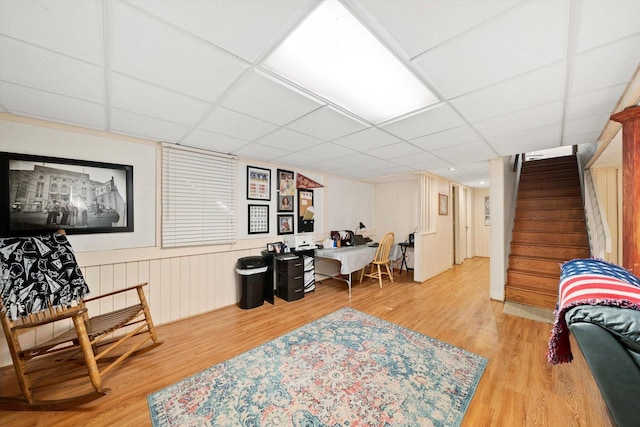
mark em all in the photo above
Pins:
pixel 345 369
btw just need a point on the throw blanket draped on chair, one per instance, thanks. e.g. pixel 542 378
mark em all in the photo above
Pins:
pixel 589 282
pixel 38 271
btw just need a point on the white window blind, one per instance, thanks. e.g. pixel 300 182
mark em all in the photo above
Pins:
pixel 198 197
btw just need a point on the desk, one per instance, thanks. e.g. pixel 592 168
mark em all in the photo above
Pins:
pixel 403 247
pixel 337 262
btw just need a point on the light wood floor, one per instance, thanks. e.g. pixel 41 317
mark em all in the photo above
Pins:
pixel 518 387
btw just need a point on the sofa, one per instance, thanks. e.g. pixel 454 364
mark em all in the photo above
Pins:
pixel 609 339
pixel 599 304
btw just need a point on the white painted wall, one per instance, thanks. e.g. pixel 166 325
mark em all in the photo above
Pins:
pixel 481 231
pixel 503 194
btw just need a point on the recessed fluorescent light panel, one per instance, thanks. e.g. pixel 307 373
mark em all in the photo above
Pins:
pixel 332 54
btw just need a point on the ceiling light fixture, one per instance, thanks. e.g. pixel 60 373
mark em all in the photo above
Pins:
pixel 332 54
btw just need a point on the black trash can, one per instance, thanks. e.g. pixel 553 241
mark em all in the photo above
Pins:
pixel 251 272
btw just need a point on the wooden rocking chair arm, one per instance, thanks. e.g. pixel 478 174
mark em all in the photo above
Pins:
pixel 72 312
pixel 119 291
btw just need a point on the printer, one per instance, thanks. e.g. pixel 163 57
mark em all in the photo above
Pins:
pixel 300 242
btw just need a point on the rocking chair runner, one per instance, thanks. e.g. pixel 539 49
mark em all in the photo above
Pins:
pixel 41 284
pixel 381 259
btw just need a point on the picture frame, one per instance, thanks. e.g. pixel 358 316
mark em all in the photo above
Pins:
pixel 286 190
pixel 41 194
pixel 285 203
pixel 258 183
pixel 286 182
pixel 258 222
pixel 487 211
pixel 285 224
pixel 443 204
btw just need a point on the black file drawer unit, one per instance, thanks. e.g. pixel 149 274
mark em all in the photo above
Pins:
pixel 290 277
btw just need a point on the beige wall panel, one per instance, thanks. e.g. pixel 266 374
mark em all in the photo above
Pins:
pixel 154 290
pixel 165 290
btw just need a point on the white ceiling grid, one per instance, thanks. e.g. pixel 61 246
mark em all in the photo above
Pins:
pixel 512 76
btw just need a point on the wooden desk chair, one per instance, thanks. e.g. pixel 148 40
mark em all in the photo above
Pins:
pixel 381 259
pixel 42 285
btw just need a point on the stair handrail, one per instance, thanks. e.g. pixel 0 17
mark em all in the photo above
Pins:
pixel 596 217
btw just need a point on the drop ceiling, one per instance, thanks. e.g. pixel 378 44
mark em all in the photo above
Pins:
pixel 511 77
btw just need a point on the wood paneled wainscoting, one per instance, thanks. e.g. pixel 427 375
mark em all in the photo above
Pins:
pixel 518 388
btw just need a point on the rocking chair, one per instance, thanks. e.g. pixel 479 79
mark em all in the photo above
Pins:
pixel 41 284
pixel 381 259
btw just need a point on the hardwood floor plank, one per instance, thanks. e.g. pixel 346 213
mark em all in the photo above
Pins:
pixel 518 388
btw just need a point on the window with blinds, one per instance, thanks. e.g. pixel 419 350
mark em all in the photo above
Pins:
pixel 198 197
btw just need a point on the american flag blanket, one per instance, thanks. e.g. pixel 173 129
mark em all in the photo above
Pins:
pixel 589 282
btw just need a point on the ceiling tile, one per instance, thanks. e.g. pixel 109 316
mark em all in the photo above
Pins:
pixel 511 44
pixel 436 119
pixel 146 127
pixel 586 125
pixel 143 98
pixel 435 21
pixel 586 138
pixel 327 123
pixel 592 103
pixel 48 106
pixel 534 88
pixel 525 141
pixel 395 150
pixel 261 97
pixel 465 153
pixel 71 28
pixel 328 151
pixel 288 140
pixel 422 161
pixel 325 166
pixel 151 50
pixel 529 118
pixel 244 28
pixel 259 152
pixel 594 30
pixel 367 139
pixel 41 69
pixel 213 141
pixel 456 136
pixel 591 73
pixel 241 126
pixel 299 159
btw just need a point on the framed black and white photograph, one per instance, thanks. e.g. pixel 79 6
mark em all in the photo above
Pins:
pixel 40 194
pixel 285 203
pixel 258 219
pixel 285 224
pixel 258 183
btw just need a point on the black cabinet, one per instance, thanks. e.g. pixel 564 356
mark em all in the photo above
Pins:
pixel 290 277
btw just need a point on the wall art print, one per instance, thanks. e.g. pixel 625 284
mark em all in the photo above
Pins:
pixel 258 183
pixel 39 194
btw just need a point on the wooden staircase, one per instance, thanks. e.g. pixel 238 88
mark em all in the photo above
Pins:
pixel 549 229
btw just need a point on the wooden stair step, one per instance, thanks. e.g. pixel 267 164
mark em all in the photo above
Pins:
pixel 537 282
pixel 550 183
pixel 550 175
pixel 535 265
pixel 569 159
pixel 561 253
pixel 574 191
pixel 532 298
pixel 549 214
pixel 550 226
pixel 550 203
pixel 558 238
